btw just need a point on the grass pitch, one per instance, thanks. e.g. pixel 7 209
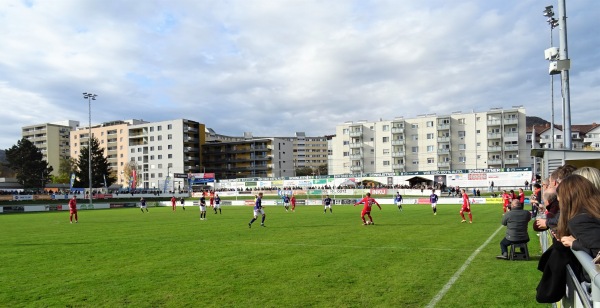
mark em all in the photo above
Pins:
pixel 122 257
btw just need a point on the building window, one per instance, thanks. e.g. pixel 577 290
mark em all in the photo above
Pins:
pixel 386 162
pixel 159 128
pixel 385 128
pixel 169 136
pixel 346 142
pixel 151 138
pixel 415 162
pixel 429 123
pixel 345 131
pixel 461 133
pixel 430 136
pixel 430 160
pixel 430 148
pixel 160 147
pixel 386 139
pixel 159 138
pixel 461 121
pixel 170 126
pixel 414 126
pixel 462 146
pixel 346 154
pixel 170 156
pixel 159 156
pixel 415 149
pixel 386 151
pixel 462 159
pixel 415 137
pixel 170 146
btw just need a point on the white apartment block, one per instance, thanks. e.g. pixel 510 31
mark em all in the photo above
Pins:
pixel 431 143
pixel 52 139
pixel 165 148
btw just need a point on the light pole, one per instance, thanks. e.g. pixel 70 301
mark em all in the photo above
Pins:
pixel 168 177
pixel 90 97
pixel 553 22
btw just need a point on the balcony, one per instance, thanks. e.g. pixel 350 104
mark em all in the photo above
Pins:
pixel 356 168
pixel 510 121
pixel 511 137
pixel 443 126
pixel 494 162
pixel 398 142
pixel 356 133
pixel 443 139
pixel 494 135
pixel 443 164
pixel 494 122
pixel 398 167
pixel 397 130
pixel 190 149
pixel 495 148
pixel 511 147
pixel 398 154
pixel 356 156
pixel 356 145
pixel 190 129
pixel 443 151
pixel 511 161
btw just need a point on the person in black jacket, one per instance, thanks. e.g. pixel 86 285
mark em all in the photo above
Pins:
pixel 516 222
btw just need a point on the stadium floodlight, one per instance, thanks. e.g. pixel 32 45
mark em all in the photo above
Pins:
pixel 90 97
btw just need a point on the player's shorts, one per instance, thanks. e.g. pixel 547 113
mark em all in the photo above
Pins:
pixel 433 204
pixel 286 204
pixel 73 211
pixel 398 203
pixel 203 208
pixel 143 206
pixel 217 205
pixel 465 209
pixel 258 212
pixel 363 213
pixel 327 206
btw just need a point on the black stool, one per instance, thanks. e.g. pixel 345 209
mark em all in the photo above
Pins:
pixel 522 254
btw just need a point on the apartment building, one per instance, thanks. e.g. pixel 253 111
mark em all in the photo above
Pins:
pixel 431 143
pixel 165 148
pixel 113 138
pixel 52 139
pixel 257 157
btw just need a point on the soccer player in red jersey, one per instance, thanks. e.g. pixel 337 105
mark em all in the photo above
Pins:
pixel 293 201
pixel 521 197
pixel 506 200
pixel 368 203
pixel 466 207
pixel 173 202
pixel 73 209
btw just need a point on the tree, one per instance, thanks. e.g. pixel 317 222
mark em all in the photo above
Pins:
pixel 100 167
pixel 303 171
pixel 128 172
pixel 323 170
pixel 28 162
pixel 67 165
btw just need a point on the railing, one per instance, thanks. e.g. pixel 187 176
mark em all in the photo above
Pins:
pixel 397 130
pixel 398 142
pixel 588 294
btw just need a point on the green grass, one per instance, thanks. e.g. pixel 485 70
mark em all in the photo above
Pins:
pixel 121 257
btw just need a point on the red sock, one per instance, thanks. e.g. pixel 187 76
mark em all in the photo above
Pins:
pixel 470 217
pixel 371 218
pixel 462 215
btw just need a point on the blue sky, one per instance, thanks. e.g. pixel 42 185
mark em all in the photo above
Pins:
pixel 277 67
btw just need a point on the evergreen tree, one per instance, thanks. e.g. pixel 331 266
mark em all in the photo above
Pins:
pixel 67 166
pixel 100 167
pixel 27 161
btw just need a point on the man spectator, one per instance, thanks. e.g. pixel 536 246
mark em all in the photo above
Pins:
pixel 516 222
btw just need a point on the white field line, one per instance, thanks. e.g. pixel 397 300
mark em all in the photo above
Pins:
pixel 453 279
pixel 331 245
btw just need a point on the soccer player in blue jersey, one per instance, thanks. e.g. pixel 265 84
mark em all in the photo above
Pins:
pixel 258 210
pixel 202 208
pixel 217 204
pixel 286 202
pixel 327 203
pixel 398 200
pixel 433 198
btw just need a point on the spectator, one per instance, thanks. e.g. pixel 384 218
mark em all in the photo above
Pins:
pixel 516 221
pixel 579 222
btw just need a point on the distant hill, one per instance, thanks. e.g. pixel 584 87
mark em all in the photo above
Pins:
pixel 2 156
pixel 531 121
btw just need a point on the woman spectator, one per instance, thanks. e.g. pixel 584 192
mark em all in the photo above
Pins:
pixel 579 222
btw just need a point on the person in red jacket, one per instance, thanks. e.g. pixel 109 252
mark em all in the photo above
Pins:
pixel 522 197
pixel 506 199
pixel 368 203
pixel 466 207
pixel 73 209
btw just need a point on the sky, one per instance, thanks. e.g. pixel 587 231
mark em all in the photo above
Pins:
pixel 276 67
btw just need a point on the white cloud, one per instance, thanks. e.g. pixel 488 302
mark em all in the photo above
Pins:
pixel 277 67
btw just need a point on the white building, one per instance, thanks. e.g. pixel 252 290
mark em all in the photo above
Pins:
pixel 52 139
pixel 431 143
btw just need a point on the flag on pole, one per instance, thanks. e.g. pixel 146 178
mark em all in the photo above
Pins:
pixel 72 181
pixel 104 176
pixel 133 178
